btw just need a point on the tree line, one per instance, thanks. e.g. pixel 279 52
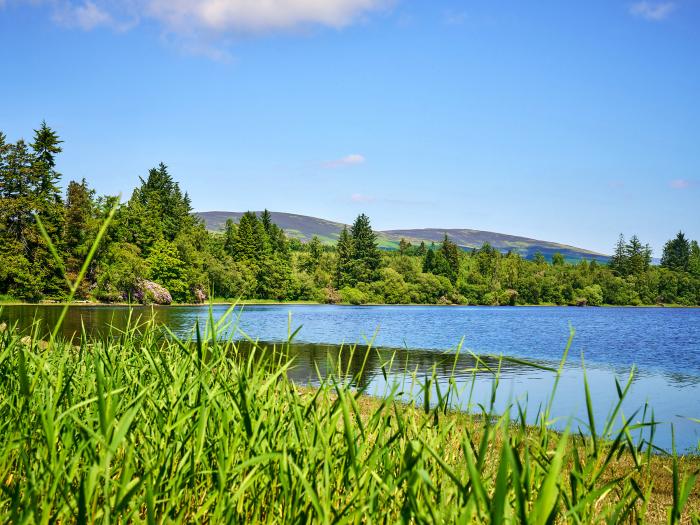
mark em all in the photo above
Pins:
pixel 156 250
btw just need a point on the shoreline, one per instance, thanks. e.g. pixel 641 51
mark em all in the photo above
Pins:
pixel 316 303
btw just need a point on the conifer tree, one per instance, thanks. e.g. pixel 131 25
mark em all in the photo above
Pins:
pixel 344 263
pixel 694 259
pixel 450 253
pixel 366 257
pixel 676 253
pixel 79 211
pixel 618 261
pixel 429 261
pixel 313 255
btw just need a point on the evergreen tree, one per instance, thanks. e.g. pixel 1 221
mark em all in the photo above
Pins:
pixel 157 210
pixel 558 259
pixel 694 259
pixel 313 255
pixel 429 261
pixel 676 253
pixel 78 214
pixel 246 245
pixel 618 261
pixel 637 257
pixel 421 250
pixel 365 252
pixel 46 179
pixel 404 246
pixel 450 253
pixel 230 234
pixel 266 220
pixel 344 263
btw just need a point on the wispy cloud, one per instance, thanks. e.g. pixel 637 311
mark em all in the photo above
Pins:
pixel 682 184
pixel 454 18
pixel 86 16
pixel 654 11
pixel 361 197
pixel 219 16
pixel 349 160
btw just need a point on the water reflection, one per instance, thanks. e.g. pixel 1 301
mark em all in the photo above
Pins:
pixel 664 343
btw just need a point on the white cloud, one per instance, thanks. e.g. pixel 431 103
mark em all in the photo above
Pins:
pixel 349 160
pixel 682 184
pixel 361 197
pixel 86 16
pixel 258 15
pixel 193 16
pixel 655 11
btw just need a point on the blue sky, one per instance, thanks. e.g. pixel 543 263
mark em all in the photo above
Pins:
pixel 564 121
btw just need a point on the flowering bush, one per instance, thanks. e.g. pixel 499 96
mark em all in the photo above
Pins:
pixel 149 292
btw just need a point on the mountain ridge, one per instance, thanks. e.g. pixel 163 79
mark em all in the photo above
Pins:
pixel 304 227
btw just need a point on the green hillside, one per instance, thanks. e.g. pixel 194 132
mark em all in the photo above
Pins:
pixel 303 227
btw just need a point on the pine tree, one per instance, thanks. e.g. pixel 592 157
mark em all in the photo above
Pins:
pixel 230 234
pixel 266 220
pixel 637 257
pixel 429 261
pixel 46 179
pixel 365 251
pixel 313 255
pixel 694 259
pixel 344 263
pixel 79 211
pixel 450 253
pixel 404 246
pixel 618 261
pixel 246 244
pixel 558 259
pixel 157 210
pixel 422 250
pixel 676 253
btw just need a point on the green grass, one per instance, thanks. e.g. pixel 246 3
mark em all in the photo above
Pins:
pixel 8 299
pixel 144 426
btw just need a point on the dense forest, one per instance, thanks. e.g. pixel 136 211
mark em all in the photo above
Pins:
pixel 156 251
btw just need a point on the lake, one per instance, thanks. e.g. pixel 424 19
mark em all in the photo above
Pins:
pixel 662 343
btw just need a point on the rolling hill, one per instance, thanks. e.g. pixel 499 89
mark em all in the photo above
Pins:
pixel 303 227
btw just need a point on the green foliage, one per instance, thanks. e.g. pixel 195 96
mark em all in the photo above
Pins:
pixel 676 254
pixel 166 268
pixel 155 237
pixel 366 257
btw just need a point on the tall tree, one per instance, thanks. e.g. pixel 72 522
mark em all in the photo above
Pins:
pixel 618 261
pixel 365 251
pixel 694 259
pixel 449 251
pixel 344 264
pixel 676 253
pixel 157 210
pixel 313 256
pixel 637 257
pixel 79 211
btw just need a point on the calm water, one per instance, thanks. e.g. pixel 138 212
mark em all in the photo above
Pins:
pixel 663 344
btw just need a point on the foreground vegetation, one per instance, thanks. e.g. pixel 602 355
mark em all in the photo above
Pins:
pixel 144 426
pixel 155 250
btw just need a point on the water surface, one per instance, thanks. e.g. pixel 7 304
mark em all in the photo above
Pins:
pixel 662 343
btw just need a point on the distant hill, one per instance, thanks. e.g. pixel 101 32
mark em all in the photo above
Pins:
pixel 303 227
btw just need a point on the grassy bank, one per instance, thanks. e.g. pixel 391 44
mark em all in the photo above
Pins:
pixel 148 427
